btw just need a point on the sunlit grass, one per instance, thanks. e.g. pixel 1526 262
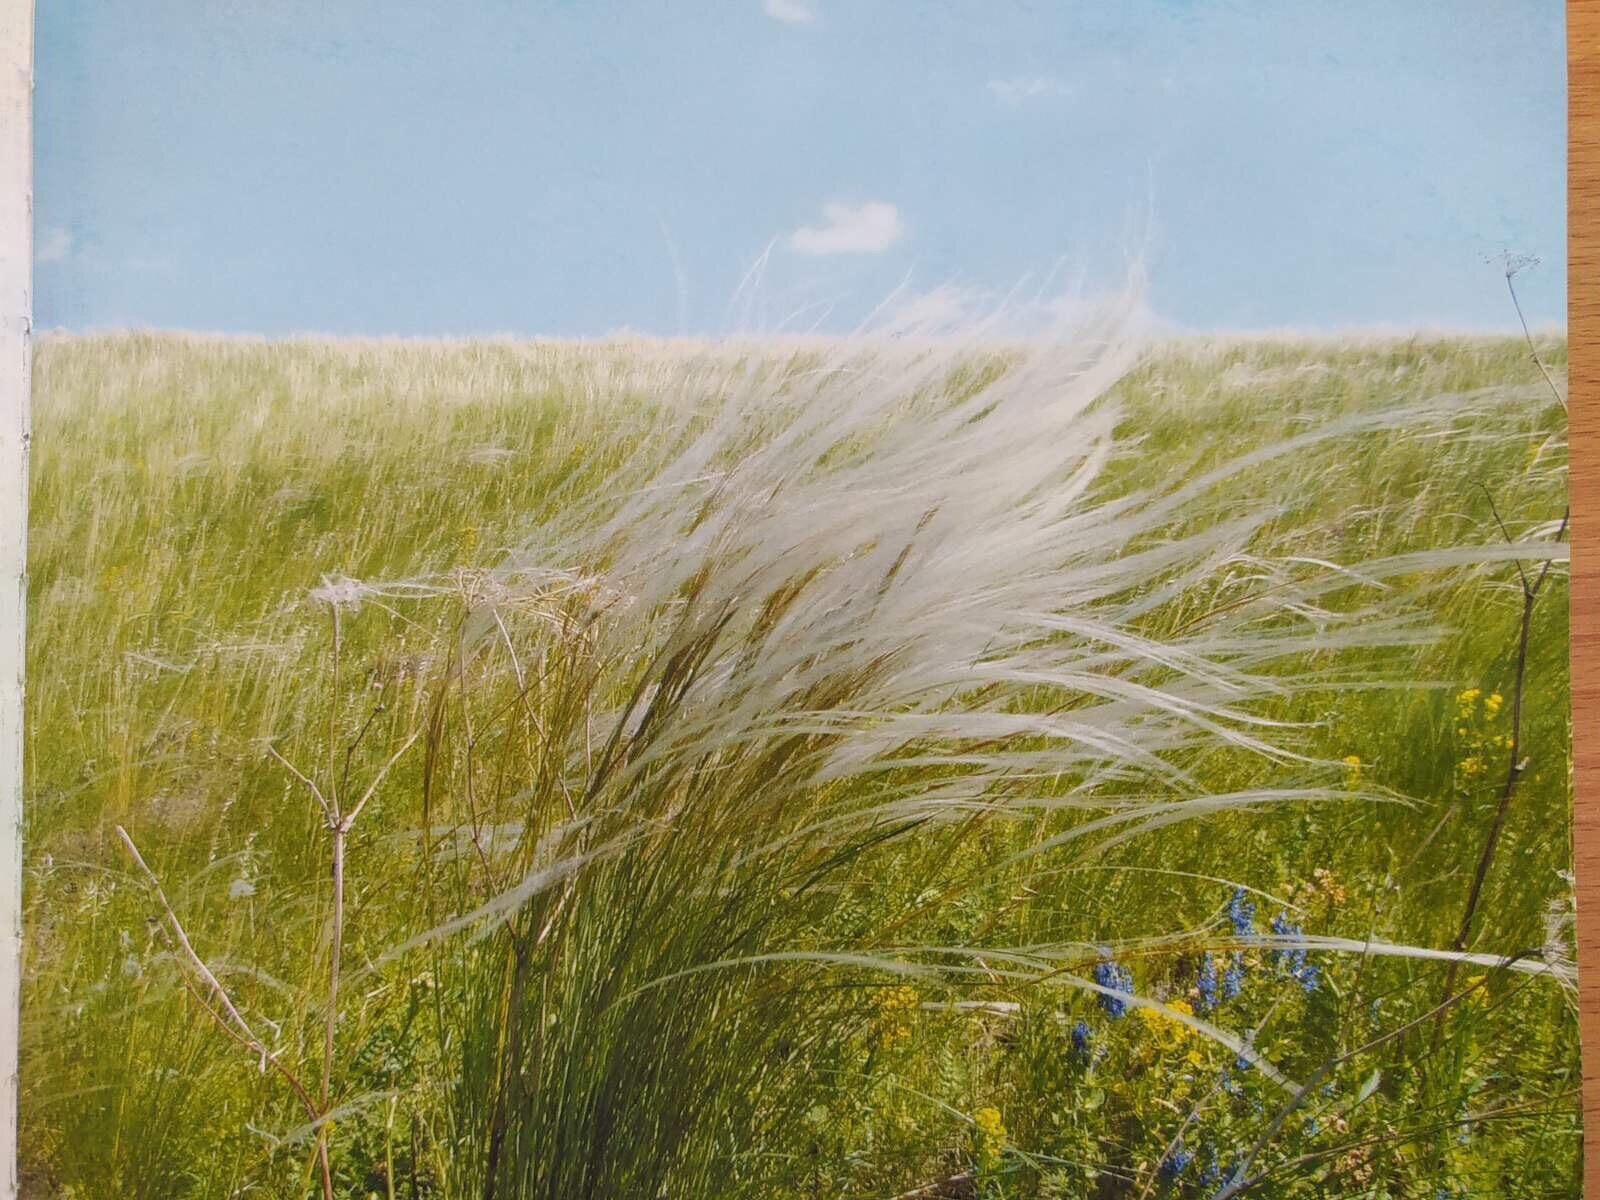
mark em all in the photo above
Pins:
pixel 189 495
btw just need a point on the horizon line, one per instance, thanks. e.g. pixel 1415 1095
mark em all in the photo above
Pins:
pixel 1160 333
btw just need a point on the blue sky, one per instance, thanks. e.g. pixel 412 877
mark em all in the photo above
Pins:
pixel 572 168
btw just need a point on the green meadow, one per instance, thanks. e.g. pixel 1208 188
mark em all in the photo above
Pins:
pixel 772 770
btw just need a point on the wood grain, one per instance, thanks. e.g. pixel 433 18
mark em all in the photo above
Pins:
pixel 1583 322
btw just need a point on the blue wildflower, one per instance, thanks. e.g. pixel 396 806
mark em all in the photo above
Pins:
pixel 1206 984
pixel 1082 1035
pixel 1233 978
pixel 1174 1164
pixel 1307 974
pixel 1109 973
pixel 1242 912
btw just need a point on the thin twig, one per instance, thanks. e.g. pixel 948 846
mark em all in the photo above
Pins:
pixel 335 950
pixel 1512 266
pixel 1504 532
pixel 1516 763
pixel 341 833
pixel 254 1047
pixel 350 818
pixel 322 801
pixel 333 710
pixel 241 1032
pixel 355 743
pixel 183 941
pixel 339 825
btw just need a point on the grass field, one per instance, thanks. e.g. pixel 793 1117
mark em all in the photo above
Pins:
pixel 809 779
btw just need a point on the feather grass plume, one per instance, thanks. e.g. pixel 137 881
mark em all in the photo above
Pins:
pixel 856 611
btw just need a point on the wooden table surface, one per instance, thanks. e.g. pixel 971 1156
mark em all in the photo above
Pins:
pixel 1583 303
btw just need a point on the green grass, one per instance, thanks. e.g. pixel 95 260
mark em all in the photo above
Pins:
pixel 711 995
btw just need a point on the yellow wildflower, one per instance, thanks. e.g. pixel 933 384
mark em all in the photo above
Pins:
pixel 895 1007
pixel 990 1123
pixel 1492 703
pixel 1352 770
pixel 991 1130
pixel 1166 1030
pixel 1467 702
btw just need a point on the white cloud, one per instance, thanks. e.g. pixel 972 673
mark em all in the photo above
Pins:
pixel 1012 92
pixel 868 228
pixel 52 245
pixel 790 12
